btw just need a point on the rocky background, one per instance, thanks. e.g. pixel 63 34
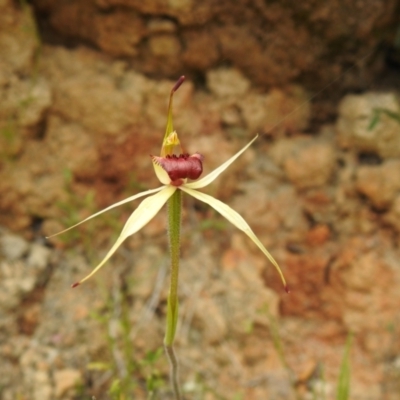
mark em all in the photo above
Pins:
pixel 84 90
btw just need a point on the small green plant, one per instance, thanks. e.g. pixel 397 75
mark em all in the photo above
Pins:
pixel 212 223
pixel 31 28
pixel 8 139
pixel 279 348
pixel 71 209
pixel 130 372
pixel 71 215
pixel 10 142
pixel 377 113
pixel 343 386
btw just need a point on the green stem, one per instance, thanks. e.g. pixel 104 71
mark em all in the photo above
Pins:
pixel 174 227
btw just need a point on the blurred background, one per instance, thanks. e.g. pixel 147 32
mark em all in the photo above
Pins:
pixel 83 102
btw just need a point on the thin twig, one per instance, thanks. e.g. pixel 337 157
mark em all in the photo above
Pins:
pixel 174 375
pixel 147 311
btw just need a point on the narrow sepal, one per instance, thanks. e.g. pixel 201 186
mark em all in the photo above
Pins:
pixel 287 289
pixel 236 219
pixel 145 212
pixel 119 203
pixel 203 182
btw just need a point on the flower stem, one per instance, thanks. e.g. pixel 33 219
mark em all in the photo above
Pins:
pixel 174 227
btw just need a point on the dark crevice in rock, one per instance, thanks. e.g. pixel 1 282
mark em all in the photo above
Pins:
pixel 366 158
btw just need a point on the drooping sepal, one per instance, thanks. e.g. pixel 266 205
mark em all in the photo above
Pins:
pixel 235 219
pixel 143 214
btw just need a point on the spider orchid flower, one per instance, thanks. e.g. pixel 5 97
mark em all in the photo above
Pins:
pixel 174 171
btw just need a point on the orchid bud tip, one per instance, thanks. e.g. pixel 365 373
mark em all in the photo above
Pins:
pixel 287 290
pixel 75 284
pixel 178 84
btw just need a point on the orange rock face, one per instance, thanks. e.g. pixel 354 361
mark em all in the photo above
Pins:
pixel 272 43
pixel 84 89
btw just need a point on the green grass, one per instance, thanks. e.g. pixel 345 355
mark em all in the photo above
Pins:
pixel 132 373
pixel 343 385
pixel 376 116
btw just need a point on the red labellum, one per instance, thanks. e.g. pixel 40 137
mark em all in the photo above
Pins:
pixel 182 166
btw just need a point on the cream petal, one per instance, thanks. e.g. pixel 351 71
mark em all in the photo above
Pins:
pixel 236 219
pixel 162 175
pixel 136 196
pixel 203 182
pixel 145 212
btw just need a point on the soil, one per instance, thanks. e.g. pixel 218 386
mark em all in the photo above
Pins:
pixel 83 101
